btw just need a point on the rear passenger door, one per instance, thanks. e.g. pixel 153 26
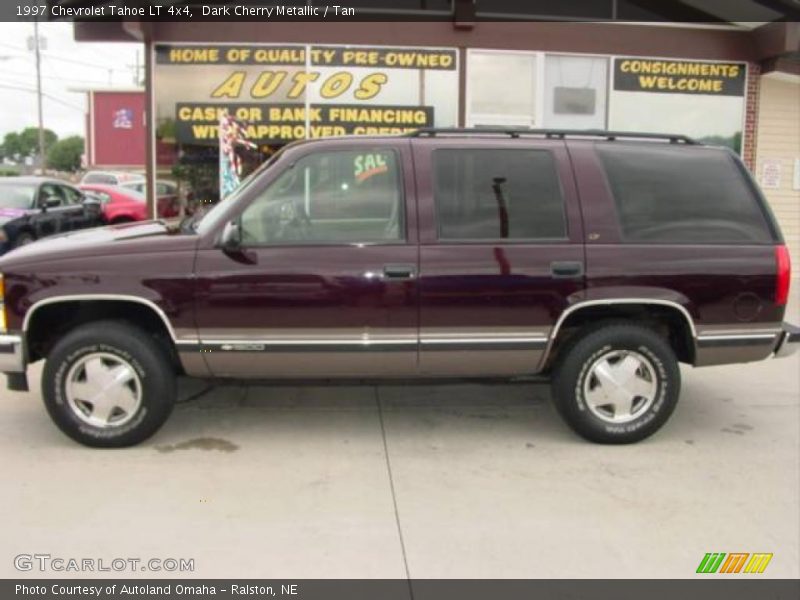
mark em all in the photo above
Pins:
pixel 75 213
pixel 501 252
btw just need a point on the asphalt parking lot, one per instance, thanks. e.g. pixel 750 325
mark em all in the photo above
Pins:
pixel 475 481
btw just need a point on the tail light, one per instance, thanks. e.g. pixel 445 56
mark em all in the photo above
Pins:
pixel 784 275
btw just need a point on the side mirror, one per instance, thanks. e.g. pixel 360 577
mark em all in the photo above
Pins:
pixel 231 239
pixel 231 244
pixel 50 202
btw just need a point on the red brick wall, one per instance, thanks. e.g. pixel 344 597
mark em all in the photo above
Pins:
pixel 751 115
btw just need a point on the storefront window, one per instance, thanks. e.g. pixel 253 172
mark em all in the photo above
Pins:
pixel 281 93
pixel 576 88
pixel 501 89
pixel 704 100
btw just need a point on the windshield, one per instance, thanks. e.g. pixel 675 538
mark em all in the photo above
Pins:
pixel 209 219
pixel 16 195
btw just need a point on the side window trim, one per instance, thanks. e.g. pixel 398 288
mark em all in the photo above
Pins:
pixel 399 178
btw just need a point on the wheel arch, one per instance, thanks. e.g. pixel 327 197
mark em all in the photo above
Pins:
pixel 50 318
pixel 676 321
pixel 26 227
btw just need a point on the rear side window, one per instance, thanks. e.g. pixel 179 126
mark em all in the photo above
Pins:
pixel 682 195
pixel 71 195
pixel 493 194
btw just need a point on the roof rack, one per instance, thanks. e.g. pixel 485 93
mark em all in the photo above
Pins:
pixel 553 133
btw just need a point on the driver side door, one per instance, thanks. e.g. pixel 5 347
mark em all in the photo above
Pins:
pixel 50 219
pixel 322 282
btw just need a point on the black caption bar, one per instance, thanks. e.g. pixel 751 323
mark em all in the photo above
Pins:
pixel 401 10
pixel 400 589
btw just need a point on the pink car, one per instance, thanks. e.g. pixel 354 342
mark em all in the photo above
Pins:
pixel 120 205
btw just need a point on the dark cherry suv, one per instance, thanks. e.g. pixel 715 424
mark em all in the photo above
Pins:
pixel 599 259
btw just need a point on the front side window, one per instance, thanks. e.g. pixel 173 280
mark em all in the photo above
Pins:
pixel 682 195
pixel 50 191
pixel 330 197
pixel 497 194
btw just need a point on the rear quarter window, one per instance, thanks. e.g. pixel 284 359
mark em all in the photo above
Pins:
pixel 683 195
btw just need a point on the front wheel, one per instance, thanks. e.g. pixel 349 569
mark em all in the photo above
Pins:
pixel 108 384
pixel 617 383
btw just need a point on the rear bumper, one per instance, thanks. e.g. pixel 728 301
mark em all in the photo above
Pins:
pixel 788 341
pixel 12 354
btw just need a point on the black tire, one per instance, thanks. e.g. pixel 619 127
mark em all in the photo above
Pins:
pixel 23 239
pixel 615 341
pixel 118 341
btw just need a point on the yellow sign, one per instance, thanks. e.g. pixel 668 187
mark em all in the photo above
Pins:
pixel 272 123
pixel 678 76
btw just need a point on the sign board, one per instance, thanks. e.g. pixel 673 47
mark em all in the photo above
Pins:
pixel 325 56
pixel 199 123
pixel 796 179
pixel 771 174
pixel 372 90
pixel 679 77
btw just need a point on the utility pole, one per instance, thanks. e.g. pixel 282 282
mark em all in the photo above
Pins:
pixel 136 68
pixel 39 95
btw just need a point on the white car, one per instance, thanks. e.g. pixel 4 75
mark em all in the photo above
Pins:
pixel 111 177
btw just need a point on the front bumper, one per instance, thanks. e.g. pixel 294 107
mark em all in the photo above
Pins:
pixel 788 341
pixel 12 354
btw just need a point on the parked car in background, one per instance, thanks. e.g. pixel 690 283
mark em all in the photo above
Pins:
pixel 119 204
pixel 601 260
pixel 110 177
pixel 36 207
pixel 166 194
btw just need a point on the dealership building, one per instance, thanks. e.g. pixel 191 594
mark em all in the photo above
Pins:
pixel 726 83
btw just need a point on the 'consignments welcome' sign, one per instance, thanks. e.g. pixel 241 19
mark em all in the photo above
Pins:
pixel 678 76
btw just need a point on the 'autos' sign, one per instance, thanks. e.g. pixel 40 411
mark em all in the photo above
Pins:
pixel 372 90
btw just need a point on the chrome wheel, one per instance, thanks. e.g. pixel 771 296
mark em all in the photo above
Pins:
pixel 620 386
pixel 103 390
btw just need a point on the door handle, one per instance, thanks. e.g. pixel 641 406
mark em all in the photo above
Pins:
pixel 399 271
pixel 566 269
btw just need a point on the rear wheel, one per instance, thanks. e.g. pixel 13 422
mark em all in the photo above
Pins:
pixel 108 384
pixel 617 383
